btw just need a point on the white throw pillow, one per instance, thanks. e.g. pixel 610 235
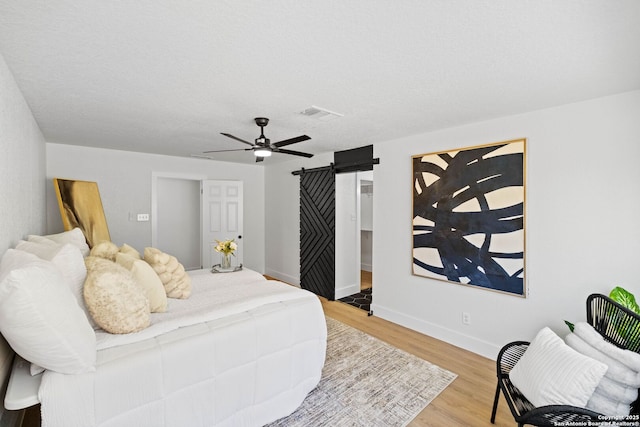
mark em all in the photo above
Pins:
pixel 40 317
pixel 552 373
pixel 116 302
pixel 67 258
pixel 619 386
pixel 145 277
pixel 75 237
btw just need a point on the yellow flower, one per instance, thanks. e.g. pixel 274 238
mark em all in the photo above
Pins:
pixel 226 246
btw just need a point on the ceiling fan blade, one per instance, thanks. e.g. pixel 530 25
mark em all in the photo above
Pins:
pixel 291 141
pixel 222 151
pixel 295 153
pixel 259 159
pixel 236 138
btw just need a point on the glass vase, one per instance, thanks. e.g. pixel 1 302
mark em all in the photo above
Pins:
pixel 225 261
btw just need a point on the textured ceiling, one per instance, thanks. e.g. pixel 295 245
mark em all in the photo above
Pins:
pixel 168 76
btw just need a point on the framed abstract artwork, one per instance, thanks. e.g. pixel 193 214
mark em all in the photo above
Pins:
pixel 469 216
pixel 80 206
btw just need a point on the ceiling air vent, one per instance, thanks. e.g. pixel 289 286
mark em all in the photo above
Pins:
pixel 320 113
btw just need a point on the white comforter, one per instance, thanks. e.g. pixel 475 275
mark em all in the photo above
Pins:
pixel 241 351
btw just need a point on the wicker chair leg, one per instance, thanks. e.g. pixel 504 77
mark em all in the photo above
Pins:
pixel 495 404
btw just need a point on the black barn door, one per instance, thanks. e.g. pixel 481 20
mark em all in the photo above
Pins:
pixel 317 231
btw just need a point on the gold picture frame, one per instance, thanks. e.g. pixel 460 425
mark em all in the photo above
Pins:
pixel 81 206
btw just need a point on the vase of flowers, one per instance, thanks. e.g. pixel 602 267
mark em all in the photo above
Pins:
pixel 226 248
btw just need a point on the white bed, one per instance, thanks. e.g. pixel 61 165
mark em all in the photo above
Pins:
pixel 241 351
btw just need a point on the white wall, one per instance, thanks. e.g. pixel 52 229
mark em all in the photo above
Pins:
pixel 583 232
pixel 22 188
pixel 283 216
pixel 124 181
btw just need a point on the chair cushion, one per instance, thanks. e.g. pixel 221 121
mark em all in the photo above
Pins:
pixel 552 373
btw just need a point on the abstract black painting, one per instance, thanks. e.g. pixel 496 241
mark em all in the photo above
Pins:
pixel 468 216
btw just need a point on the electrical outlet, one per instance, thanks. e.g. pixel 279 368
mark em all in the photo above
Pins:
pixel 466 318
pixel 143 217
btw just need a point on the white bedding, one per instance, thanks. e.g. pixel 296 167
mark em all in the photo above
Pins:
pixel 241 351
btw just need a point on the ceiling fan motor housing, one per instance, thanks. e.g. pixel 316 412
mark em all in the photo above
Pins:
pixel 262 121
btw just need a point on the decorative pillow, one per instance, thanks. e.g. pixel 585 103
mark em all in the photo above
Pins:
pixel 131 251
pixel 105 249
pixel 551 373
pixel 75 237
pixel 115 301
pixel 126 261
pixel 176 281
pixel 144 275
pixel 40 317
pixel 69 261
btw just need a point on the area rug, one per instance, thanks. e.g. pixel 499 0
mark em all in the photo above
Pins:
pixel 367 382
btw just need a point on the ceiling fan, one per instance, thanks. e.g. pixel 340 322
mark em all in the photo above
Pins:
pixel 262 147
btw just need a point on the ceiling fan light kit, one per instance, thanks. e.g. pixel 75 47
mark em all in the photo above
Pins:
pixel 262 152
pixel 262 146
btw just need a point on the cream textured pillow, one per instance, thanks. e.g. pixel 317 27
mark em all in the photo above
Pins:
pixel 75 237
pixel 115 301
pixel 145 277
pixel 176 281
pixel 67 258
pixel 131 251
pixel 552 373
pixel 105 249
pixel 40 317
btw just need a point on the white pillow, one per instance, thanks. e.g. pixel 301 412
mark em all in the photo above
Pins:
pixel 619 386
pixel 75 237
pixel 552 373
pixel 67 258
pixel 147 279
pixel 40 317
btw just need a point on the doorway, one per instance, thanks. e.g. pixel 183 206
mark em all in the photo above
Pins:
pixel 175 218
pixel 362 296
pixel 179 206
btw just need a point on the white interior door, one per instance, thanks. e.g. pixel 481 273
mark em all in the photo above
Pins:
pixel 222 213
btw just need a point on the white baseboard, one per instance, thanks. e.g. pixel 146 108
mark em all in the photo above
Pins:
pixel 466 342
pixel 366 267
pixel 292 280
pixel 345 291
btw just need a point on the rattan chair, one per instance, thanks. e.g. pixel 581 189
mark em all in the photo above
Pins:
pixel 615 323
pixel 522 410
